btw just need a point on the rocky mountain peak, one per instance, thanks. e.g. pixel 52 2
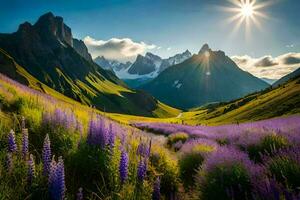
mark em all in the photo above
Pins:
pixel 205 48
pixel 152 56
pixel 49 25
pixel 187 52
pixel 26 26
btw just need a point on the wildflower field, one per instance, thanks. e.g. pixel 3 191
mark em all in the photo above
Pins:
pixel 52 148
pixel 257 160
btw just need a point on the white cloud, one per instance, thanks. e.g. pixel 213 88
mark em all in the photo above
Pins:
pixel 268 66
pixel 123 49
pixel 169 48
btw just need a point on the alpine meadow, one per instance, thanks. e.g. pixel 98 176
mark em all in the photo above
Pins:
pixel 150 100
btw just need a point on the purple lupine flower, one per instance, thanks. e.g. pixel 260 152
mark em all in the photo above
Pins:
pixel 79 195
pixel 12 146
pixel 97 134
pixel 142 170
pixel 143 149
pixel 268 189
pixel 57 186
pixel 59 118
pixel 227 156
pixel 156 190
pixel 52 173
pixel 31 169
pixel 9 162
pixel 123 167
pixel 46 155
pixel 24 143
pixel 111 137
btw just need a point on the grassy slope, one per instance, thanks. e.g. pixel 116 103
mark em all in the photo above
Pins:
pixel 108 93
pixel 32 82
pixel 284 100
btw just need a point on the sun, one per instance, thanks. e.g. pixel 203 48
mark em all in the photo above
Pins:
pixel 247 9
pixel 247 12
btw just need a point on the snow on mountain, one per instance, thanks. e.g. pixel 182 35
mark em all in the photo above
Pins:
pixel 152 65
pixel 145 67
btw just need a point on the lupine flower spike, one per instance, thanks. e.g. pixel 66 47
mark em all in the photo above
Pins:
pixel 31 169
pixel 12 146
pixel 156 190
pixel 111 137
pixel 123 167
pixel 46 155
pixel 57 188
pixel 142 169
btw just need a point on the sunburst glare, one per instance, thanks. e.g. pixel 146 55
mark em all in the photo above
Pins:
pixel 247 12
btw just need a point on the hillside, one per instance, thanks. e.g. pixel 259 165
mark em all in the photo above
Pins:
pixel 209 76
pixel 47 144
pixel 272 102
pixel 288 77
pixel 46 51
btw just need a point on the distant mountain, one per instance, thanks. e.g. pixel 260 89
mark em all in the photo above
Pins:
pixel 174 60
pixel 288 77
pixel 144 65
pixel 112 65
pixel 143 69
pixel 152 65
pixel 48 52
pixel 269 80
pixel 209 76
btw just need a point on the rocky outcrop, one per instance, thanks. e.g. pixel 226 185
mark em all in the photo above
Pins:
pixel 81 49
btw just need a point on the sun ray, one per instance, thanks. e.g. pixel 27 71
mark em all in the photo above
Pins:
pixel 236 27
pixel 234 18
pixel 235 2
pixel 260 14
pixel 247 12
pixel 257 23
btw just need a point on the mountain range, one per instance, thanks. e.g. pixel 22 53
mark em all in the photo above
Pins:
pixel 149 65
pixel 48 52
pixel 209 76
pixel 143 69
pixel 46 57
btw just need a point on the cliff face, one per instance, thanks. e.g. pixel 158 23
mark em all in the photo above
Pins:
pixel 47 52
pixel 80 47
pixel 49 24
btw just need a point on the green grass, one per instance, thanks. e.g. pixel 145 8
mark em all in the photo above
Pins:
pixel 284 100
pixel 94 90
pixel 280 101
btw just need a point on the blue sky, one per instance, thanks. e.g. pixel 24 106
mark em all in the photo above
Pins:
pixel 171 25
